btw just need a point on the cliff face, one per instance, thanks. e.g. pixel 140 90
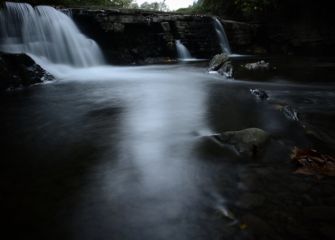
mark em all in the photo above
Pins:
pixel 138 37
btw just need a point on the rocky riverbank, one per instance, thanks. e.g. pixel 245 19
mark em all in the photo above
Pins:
pixel 20 70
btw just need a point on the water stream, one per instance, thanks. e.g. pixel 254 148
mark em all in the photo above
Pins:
pixel 221 34
pixel 125 153
pixel 47 35
pixel 183 52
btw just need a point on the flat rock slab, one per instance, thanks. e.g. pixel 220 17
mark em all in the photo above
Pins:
pixel 248 141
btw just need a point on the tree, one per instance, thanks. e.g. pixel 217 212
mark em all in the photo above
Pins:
pixel 155 6
pixel 121 3
pixel 113 3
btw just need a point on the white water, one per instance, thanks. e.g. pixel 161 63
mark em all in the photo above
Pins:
pixel 183 53
pixel 223 40
pixel 49 36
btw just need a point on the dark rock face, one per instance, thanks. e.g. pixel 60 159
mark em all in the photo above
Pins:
pixel 129 36
pixel 17 70
pixel 310 38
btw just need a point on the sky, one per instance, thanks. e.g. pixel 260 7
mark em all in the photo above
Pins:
pixel 172 4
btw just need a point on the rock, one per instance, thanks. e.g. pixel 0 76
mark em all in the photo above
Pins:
pixel 166 26
pixel 324 213
pixel 248 141
pixel 260 65
pixel 300 187
pixel 218 61
pixel 328 231
pixel 118 27
pixel 258 226
pixel 290 113
pixel 226 70
pixel 260 94
pixel 250 200
pixel 18 70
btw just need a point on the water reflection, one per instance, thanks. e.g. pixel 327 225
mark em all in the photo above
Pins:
pixel 150 185
pixel 122 153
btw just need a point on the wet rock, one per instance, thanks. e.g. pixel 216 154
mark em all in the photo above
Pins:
pixel 328 231
pixel 257 226
pixel 226 70
pixel 248 141
pixel 116 30
pixel 259 93
pixel 260 65
pixel 118 27
pixel 250 200
pixel 17 70
pixel 290 113
pixel 166 26
pixel 324 213
pixel 300 187
pixel 218 61
pixel 330 201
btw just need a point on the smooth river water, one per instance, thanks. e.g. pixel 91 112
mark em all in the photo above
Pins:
pixel 124 153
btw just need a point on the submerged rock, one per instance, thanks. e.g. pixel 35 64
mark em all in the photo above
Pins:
pixel 260 65
pixel 290 113
pixel 259 93
pixel 322 213
pixel 17 70
pixel 258 226
pixel 248 141
pixel 250 200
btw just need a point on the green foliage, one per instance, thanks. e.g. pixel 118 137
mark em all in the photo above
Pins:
pixel 121 3
pixel 265 10
pixel 242 9
pixel 155 6
pixel 252 8
pixel 112 3
pixel 196 7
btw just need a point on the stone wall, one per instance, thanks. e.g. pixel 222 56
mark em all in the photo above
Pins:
pixel 140 37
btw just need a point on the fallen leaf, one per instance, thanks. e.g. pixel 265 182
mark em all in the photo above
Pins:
pixel 243 226
pixel 311 162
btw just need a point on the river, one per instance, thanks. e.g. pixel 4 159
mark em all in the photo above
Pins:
pixel 124 153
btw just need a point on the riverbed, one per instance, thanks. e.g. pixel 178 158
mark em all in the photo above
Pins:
pixel 125 153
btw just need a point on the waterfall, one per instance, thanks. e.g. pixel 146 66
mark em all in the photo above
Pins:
pixel 46 34
pixel 223 40
pixel 183 53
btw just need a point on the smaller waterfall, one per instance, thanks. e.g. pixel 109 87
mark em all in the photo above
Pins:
pixel 223 40
pixel 183 53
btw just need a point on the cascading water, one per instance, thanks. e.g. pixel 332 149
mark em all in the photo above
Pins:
pixel 46 34
pixel 223 40
pixel 183 53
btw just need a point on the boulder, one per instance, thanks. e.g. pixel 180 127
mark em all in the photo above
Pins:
pixel 259 93
pixel 248 141
pixel 260 65
pixel 290 113
pixel 218 61
pixel 17 70
pixel 227 70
